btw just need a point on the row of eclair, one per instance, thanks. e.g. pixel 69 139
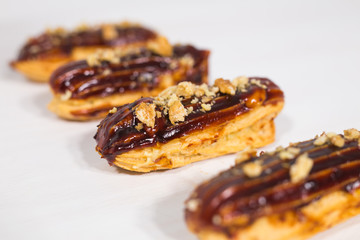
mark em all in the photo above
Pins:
pixel 159 113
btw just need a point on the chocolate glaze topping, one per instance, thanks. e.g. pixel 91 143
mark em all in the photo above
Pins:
pixel 62 43
pixel 134 72
pixel 117 134
pixel 232 195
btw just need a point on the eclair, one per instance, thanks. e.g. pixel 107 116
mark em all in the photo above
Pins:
pixel 291 193
pixel 42 54
pixel 188 123
pixel 88 89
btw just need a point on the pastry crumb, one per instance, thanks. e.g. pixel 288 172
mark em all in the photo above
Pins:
pixel 145 112
pixel 301 168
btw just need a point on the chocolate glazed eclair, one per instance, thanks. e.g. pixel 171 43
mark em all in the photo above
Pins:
pixel 188 123
pixel 86 90
pixel 42 54
pixel 291 193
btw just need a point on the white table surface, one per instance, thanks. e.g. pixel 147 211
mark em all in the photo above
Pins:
pixel 53 185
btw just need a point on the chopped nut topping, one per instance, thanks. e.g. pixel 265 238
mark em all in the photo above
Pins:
pixel 206 99
pixel 189 110
pixel 66 96
pixel 337 141
pixel 187 60
pixel 145 112
pixel 199 92
pixel 177 112
pixel 113 110
pixel 289 153
pixel 95 59
pixel 301 169
pixel 244 155
pixel 321 140
pixel 193 204
pixel 158 114
pixel 106 72
pixel 206 107
pixel 82 27
pixel 109 32
pixel 139 126
pixel 351 134
pixel 258 83
pixel 216 220
pixel 185 89
pixel 331 134
pixel 195 100
pixel 225 86
pixel 145 77
pixel 241 83
pixel 252 169
pixel 172 99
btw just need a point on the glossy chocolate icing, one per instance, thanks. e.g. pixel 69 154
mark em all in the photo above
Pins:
pixel 117 134
pixel 48 44
pixel 135 72
pixel 232 194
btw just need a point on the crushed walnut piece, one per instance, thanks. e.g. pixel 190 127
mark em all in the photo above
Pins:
pixel 66 96
pixel 195 100
pixel 189 110
pixel 289 153
pixel 185 89
pixel 193 204
pixel 107 71
pixel 301 168
pixel 139 126
pixel 337 141
pixel 187 60
pixel 113 110
pixel 252 169
pixel 158 114
pixel 321 140
pixel 244 155
pixel 206 107
pixel 109 32
pixel 145 112
pixel 112 56
pixel 258 83
pixel 351 134
pixel 241 83
pixel 225 86
pixel 177 112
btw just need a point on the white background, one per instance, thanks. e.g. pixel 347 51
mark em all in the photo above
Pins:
pixel 53 185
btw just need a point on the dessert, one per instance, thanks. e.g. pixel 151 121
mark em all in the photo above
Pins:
pixel 188 123
pixel 88 89
pixel 42 54
pixel 291 193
